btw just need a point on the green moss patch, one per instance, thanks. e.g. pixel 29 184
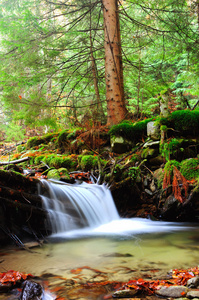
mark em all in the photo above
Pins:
pixel 190 168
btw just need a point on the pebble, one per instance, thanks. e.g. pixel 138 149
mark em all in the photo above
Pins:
pixel 125 293
pixel 175 291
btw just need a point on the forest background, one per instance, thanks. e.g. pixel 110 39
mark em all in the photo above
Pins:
pixel 54 55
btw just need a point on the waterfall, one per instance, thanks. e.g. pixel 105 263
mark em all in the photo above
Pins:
pixel 73 206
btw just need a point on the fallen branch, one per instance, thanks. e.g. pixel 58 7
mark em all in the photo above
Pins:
pixel 14 161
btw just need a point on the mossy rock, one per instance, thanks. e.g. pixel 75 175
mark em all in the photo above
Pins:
pixel 131 131
pixel 171 148
pixel 190 168
pixel 64 174
pixel 88 162
pixel 69 162
pixel 53 174
pixel 120 145
pixel 61 173
pixel 181 123
pixel 34 141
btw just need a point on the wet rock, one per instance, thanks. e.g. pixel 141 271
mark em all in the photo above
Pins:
pixel 125 293
pixel 171 208
pixel 32 291
pixel 193 294
pixel 193 282
pixel 116 254
pixel 175 291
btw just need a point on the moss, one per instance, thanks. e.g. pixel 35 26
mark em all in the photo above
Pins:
pixel 170 148
pixel 53 174
pixel 63 173
pixel 38 159
pixel 88 162
pixel 62 139
pixel 169 166
pixel 164 128
pixel 190 168
pixel 69 162
pixel 135 158
pixel 148 153
pixel 34 141
pixel 131 131
pixel 20 148
pixel 185 121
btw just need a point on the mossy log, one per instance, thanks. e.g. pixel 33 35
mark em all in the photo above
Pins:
pixel 18 181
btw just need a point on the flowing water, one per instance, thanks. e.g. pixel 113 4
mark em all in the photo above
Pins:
pixel 104 248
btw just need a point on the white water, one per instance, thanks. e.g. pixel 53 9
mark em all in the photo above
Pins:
pixel 77 210
pixel 72 206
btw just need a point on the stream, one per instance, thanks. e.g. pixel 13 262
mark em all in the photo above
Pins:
pixel 70 261
pixel 89 262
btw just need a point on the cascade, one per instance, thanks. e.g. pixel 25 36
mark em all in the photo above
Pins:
pixel 73 206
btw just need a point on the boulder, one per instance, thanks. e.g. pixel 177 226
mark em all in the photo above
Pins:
pixel 153 130
pixel 120 145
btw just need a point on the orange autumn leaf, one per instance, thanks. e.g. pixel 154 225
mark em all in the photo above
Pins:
pixel 12 277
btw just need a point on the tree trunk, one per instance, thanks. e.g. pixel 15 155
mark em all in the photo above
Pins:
pixel 116 109
pixel 98 113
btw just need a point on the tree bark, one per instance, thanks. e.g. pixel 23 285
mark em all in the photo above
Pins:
pixel 116 109
pixel 99 111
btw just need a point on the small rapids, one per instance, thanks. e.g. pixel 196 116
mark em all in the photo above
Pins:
pixel 79 210
pixel 72 206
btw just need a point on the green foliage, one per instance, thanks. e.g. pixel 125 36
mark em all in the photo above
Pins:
pixel 134 172
pixel 14 133
pixel 135 158
pixel 170 148
pixel 190 168
pixel 131 131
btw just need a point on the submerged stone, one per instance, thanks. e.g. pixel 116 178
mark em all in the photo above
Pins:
pixel 125 293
